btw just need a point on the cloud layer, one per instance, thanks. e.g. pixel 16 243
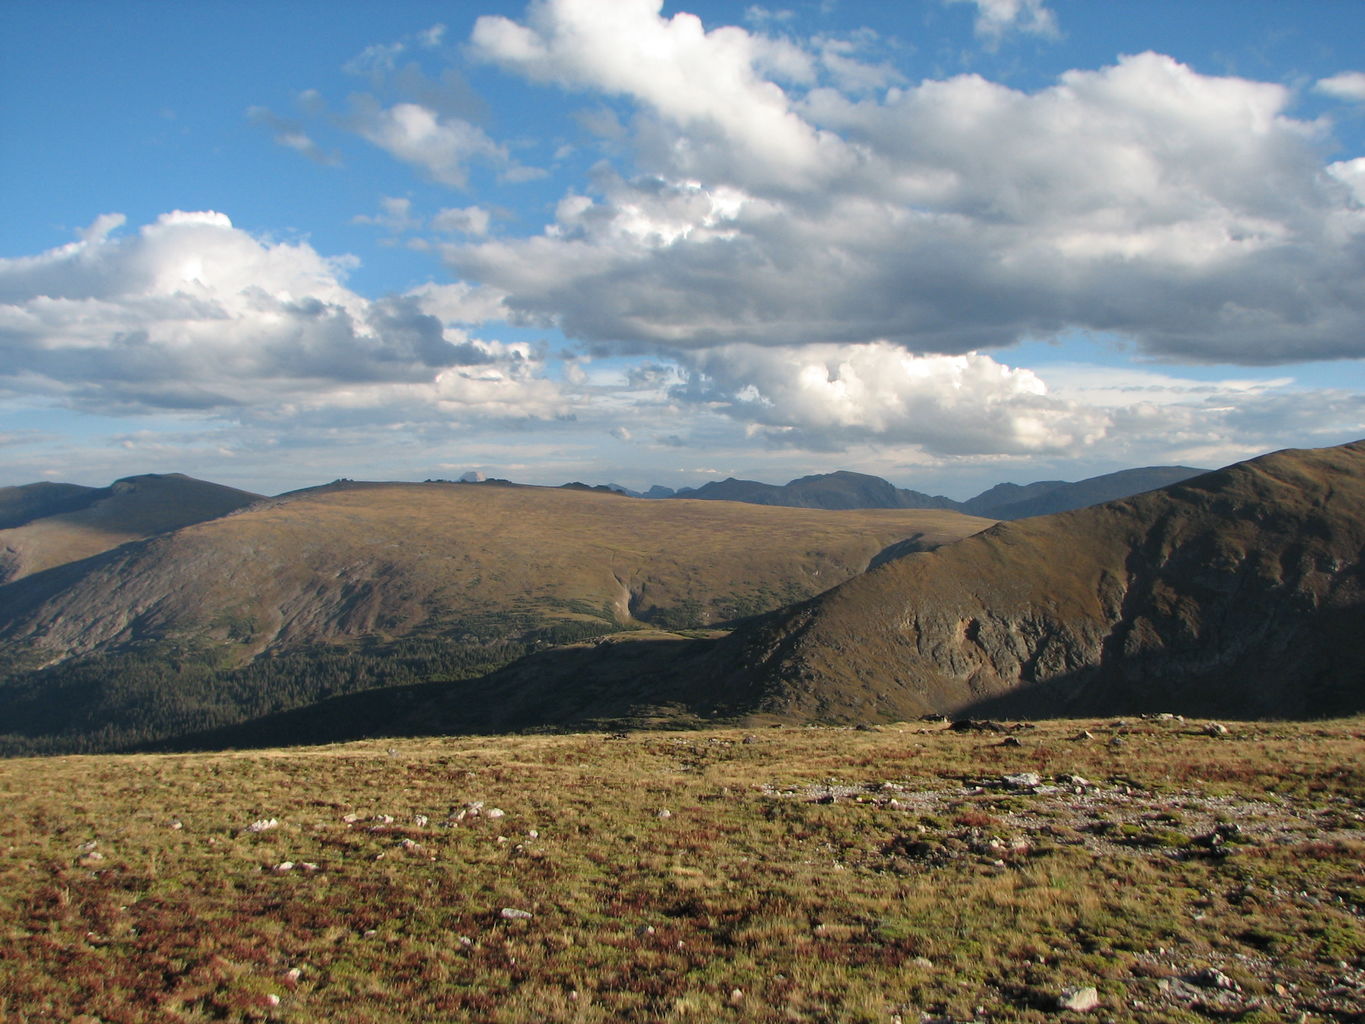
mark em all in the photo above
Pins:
pixel 192 313
pixel 1188 212
pixel 755 242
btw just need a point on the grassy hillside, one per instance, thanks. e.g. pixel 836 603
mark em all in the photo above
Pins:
pixel 343 588
pixel 49 525
pixel 899 874
pixel 1240 592
pixel 20 504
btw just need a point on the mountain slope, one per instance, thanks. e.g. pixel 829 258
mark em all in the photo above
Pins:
pixel 352 585
pixel 1011 501
pixel 47 525
pixel 1240 592
pixel 1237 594
pixel 19 505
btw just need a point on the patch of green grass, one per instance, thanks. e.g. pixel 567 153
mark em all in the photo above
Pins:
pixel 749 900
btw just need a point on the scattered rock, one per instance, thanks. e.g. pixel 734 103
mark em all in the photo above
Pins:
pixel 971 725
pixel 420 820
pixel 494 812
pixel 177 824
pixel 1174 988
pixel 1010 741
pixel 1084 734
pixel 1215 729
pixel 283 866
pixel 1078 783
pixel 1211 977
pixel 1219 837
pixel 262 825
pixel 513 914
pixel 664 815
pixel 1079 999
pixel 350 819
pixel 923 962
pixel 1023 780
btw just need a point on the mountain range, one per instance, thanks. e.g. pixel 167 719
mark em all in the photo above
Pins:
pixel 1238 594
pixel 358 609
pixel 843 489
pixel 350 585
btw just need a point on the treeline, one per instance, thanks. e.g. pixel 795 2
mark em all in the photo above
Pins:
pixel 124 700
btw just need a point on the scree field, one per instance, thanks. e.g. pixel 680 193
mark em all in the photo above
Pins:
pixel 898 873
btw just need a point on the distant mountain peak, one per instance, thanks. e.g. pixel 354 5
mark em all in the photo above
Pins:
pixel 847 489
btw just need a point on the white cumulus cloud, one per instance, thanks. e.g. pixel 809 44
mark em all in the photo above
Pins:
pixel 192 313
pixel 828 396
pixel 1188 212
pixel 442 147
pixel 997 18
pixel 711 85
pixel 1349 85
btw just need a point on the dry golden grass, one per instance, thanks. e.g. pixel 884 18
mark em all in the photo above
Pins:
pixel 392 560
pixel 799 874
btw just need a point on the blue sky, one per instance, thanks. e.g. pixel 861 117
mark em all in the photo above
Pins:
pixel 949 242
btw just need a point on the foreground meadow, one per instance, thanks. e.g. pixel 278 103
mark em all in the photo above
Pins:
pixel 901 873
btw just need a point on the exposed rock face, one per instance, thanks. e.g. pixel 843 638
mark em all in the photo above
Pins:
pixel 1235 593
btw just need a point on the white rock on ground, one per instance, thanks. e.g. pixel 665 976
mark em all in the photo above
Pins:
pixel 1079 999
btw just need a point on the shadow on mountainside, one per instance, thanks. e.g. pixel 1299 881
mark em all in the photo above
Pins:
pixel 666 681
pixel 654 681
pixel 1293 679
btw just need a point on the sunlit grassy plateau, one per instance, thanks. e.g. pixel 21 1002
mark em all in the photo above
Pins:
pixel 892 873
